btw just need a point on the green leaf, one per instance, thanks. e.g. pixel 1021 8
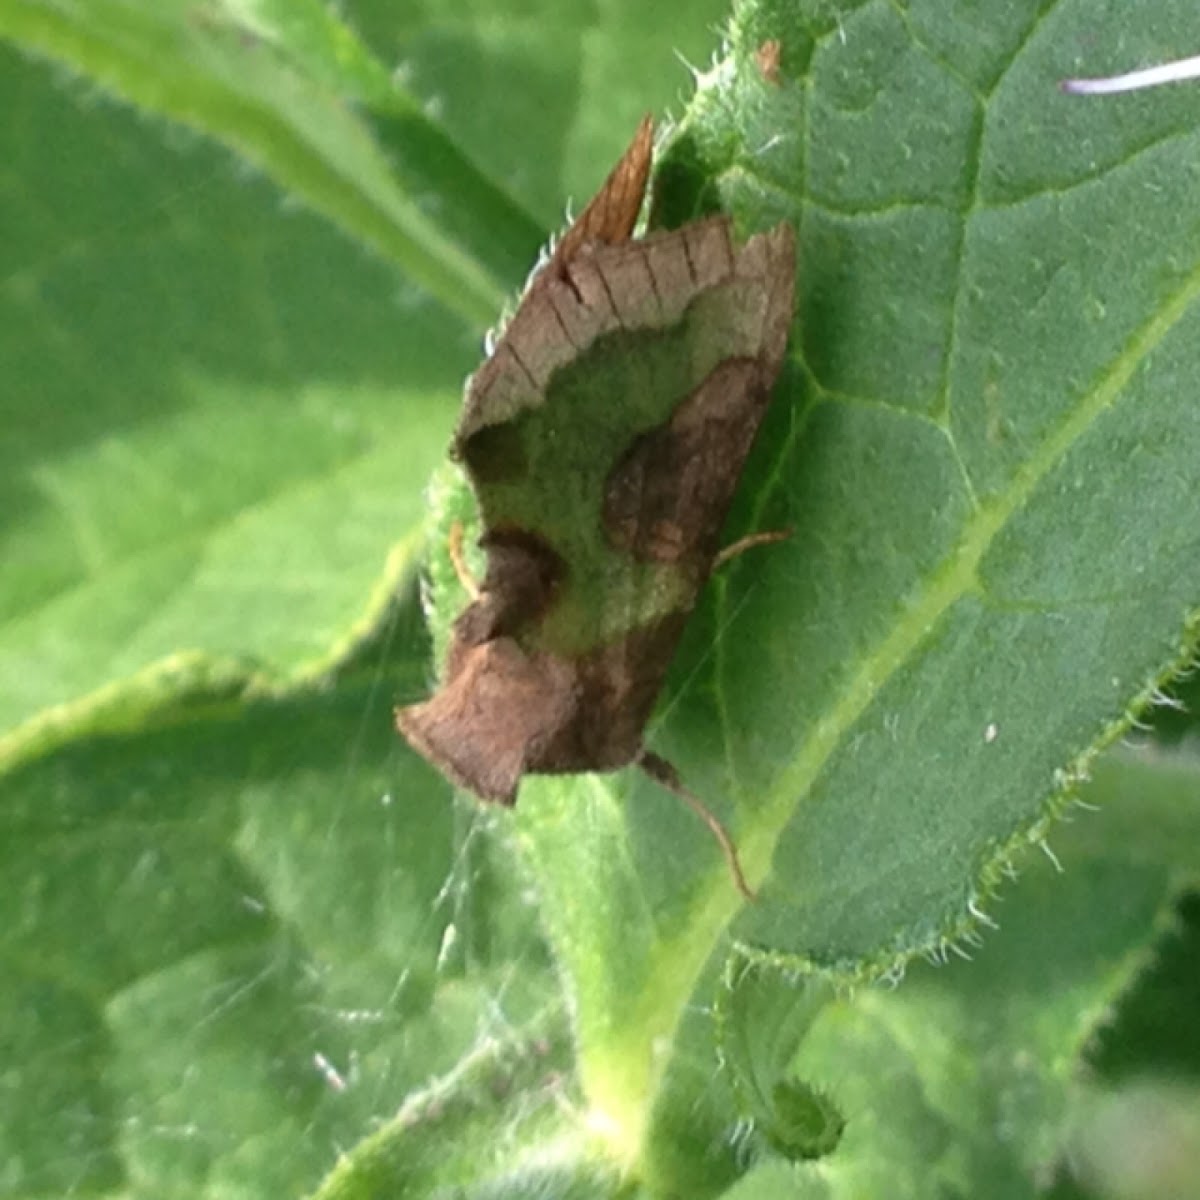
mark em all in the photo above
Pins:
pixel 220 416
pixel 225 944
pixel 234 395
pixel 983 448
pixel 965 1079
pixel 273 81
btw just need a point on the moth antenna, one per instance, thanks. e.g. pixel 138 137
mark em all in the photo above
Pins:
pixel 667 777
pixel 766 538
pixel 1132 81
pixel 454 546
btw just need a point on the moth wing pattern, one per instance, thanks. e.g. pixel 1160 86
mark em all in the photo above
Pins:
pixel 604 438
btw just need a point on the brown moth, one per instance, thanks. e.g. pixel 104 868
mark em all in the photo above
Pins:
pixel 603 437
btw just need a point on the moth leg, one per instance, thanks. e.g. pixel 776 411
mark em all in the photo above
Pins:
pixel 454 546
pixel 667 777
pixel 766 538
